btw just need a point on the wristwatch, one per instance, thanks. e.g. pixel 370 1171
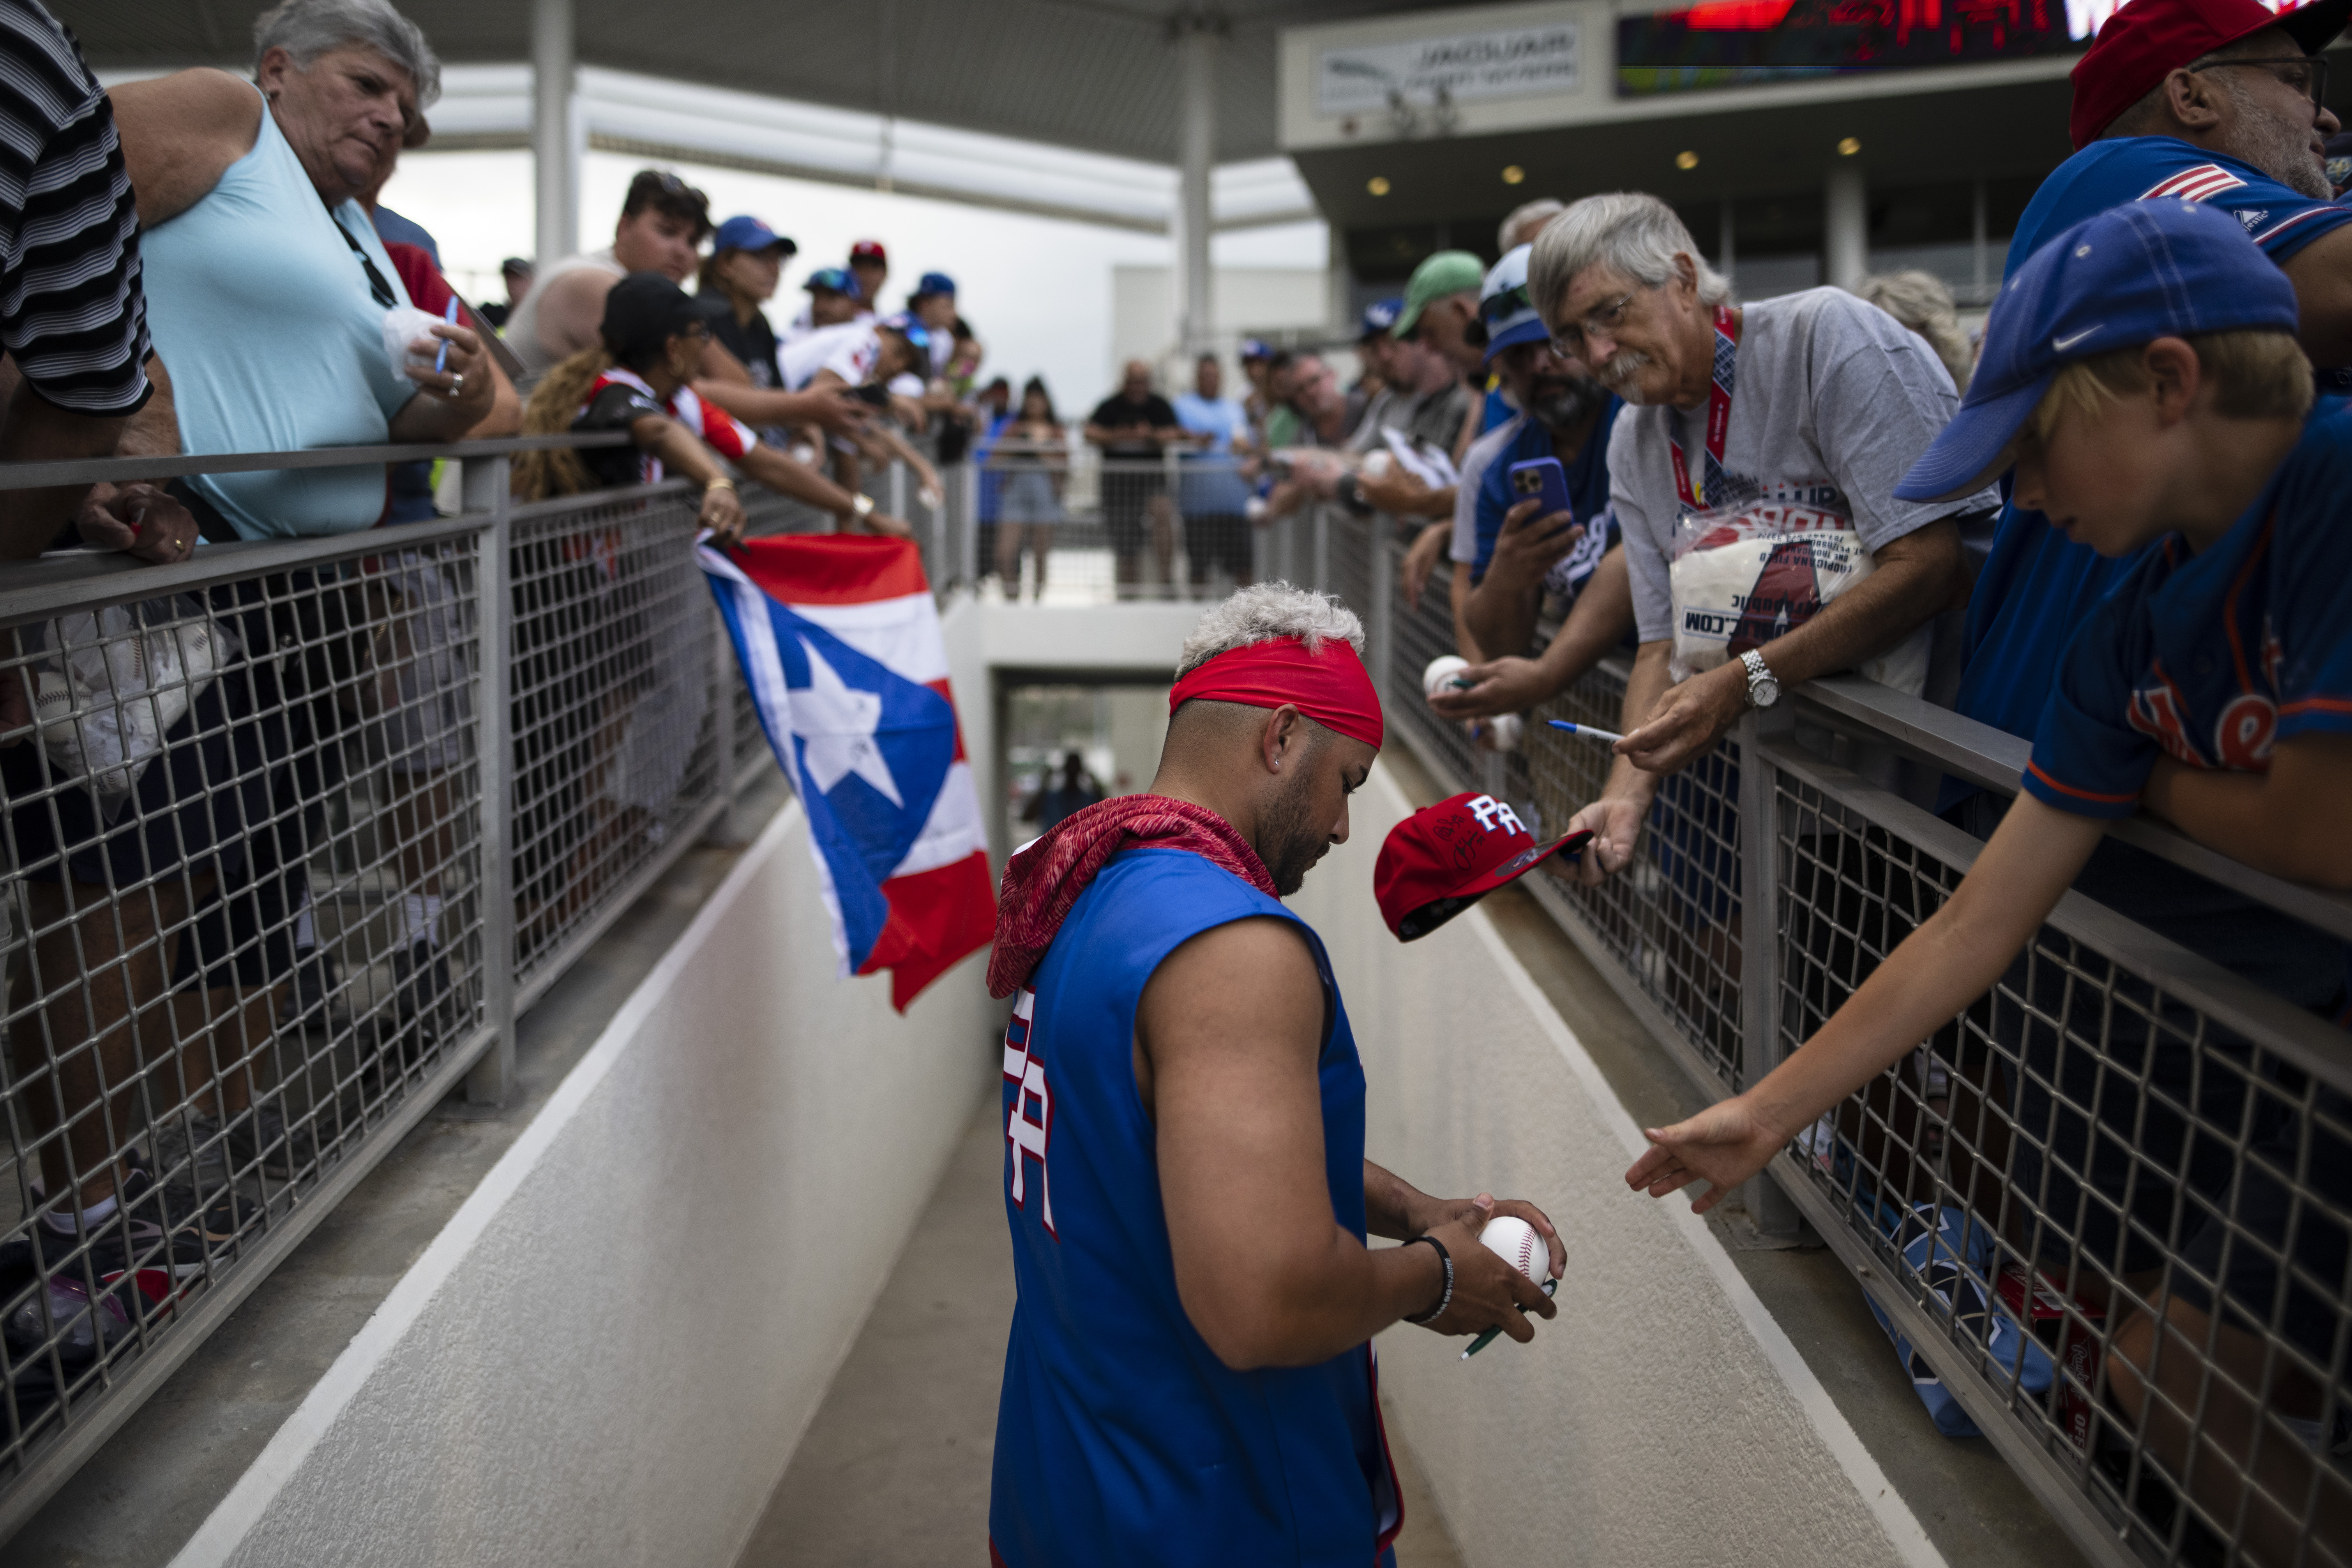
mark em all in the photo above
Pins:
pixel 861 505
pixel 1763 686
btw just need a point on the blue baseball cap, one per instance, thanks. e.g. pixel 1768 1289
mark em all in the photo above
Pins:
pixel 1254 348
pixel 2129 275
pixel 748 233
pixel 834 280
pixel 906 327
pixel 1380 317
pixel 1504 306
pixel 933 283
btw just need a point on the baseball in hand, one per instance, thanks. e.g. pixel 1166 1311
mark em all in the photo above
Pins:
pixel 1515 1242
pixel 1441 670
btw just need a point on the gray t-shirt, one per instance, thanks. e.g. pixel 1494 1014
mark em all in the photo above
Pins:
pixel 1833 402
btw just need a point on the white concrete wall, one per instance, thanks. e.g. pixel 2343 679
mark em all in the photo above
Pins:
pixel 1663 1418
pixel 608 1354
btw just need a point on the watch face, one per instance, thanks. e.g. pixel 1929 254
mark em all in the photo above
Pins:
pixel 1768 692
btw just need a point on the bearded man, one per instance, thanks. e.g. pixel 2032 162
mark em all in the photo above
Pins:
pixel 1508 550
pixel 1190 1378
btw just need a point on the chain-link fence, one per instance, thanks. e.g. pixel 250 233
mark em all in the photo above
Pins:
pixel 2106 1210
pixel 294 830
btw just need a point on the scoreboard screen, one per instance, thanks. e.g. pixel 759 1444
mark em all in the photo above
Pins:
pixel 1739 43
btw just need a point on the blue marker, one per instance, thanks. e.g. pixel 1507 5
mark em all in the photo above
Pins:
pixel 1608 735
pixel 448 314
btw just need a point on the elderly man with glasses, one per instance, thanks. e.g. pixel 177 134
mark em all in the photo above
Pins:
pixel 1815 399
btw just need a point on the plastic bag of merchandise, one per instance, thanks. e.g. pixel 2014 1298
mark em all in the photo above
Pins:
pixel 1742 575
pixel 116 680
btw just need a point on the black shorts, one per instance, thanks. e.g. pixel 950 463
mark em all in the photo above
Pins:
pixel 1215 539
pixel 2241 1243
pixel 1126 507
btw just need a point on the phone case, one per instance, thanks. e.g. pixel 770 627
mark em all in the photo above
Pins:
pixel 1544 478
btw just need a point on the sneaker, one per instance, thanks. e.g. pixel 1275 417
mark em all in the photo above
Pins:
pixel 261 1135
pixel 172 1225
pixel 188 1148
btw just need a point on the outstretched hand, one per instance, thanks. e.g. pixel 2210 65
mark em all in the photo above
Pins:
pixel 1510 685
pixel 1723 1145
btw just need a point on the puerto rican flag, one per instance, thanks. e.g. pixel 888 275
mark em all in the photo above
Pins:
pixel 839 641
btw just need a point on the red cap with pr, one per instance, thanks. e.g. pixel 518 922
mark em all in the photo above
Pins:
pixel 1444 857
pixel 2147 40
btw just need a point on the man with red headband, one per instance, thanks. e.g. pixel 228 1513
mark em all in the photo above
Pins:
pixel 1190 1378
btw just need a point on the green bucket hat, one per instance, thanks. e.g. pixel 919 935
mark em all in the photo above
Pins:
pixel 1447 272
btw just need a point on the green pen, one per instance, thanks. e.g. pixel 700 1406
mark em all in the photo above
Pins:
pixel 1483 1340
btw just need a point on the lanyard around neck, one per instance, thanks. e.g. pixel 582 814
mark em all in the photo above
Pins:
pixel 1718 414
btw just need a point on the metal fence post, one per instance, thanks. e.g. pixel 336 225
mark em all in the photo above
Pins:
pixel 492 1080
pixel 1768 1206
pixel 1322 549
pixel 1381 633
pixel 968 544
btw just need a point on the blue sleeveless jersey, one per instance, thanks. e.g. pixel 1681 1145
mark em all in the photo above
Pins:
pixel 1120 1438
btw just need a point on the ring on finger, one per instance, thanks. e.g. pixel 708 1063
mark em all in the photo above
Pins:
pixel 458 384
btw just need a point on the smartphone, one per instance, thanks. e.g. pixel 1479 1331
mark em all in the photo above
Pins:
pixel 1544 478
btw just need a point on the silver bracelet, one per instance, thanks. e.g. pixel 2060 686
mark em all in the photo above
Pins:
pixel 1445 1297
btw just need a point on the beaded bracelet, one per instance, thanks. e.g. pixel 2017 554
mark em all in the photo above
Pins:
pixel 1445 1297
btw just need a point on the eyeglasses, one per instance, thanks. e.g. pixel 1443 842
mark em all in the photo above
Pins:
pixel 2307 74
pixel 1603 320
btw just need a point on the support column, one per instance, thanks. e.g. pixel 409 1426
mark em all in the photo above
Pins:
pixel 554 128
pixel 1726 249
pixel 1846 248
pixel 1977 239
pixel 1196 40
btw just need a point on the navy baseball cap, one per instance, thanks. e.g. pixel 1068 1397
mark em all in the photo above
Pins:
pixel 934 283
pixel 1380 317
pixel 748 233
pixel 645 310
pixel 2129 275
pixel 834 280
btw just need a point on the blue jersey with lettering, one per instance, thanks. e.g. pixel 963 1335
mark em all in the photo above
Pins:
pixel 1120 1438
pixel 2037 586
pixel 2214 657
pixel 1523 440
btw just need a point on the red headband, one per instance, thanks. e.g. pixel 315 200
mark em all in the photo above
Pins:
pixel 1331 688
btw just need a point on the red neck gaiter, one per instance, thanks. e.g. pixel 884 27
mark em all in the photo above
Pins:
pixel 1044 881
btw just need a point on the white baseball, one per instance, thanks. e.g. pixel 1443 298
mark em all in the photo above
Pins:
pixel 1441 670
pixel 1518 1244
pixel 1502 733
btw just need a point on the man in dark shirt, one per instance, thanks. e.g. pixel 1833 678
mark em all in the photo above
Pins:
pixel 1133 428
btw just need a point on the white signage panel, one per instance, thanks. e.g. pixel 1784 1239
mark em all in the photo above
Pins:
pixel 1471 67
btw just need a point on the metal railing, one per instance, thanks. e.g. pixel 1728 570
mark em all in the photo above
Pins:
pixel 2120 1135
pixel 296 831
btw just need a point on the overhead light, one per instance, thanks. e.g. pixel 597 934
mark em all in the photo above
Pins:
pixel 1849 146
pixel 1513 174
pixel 1686 159
pixel 1378 184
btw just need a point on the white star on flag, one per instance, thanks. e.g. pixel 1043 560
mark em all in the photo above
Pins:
pixel 837 722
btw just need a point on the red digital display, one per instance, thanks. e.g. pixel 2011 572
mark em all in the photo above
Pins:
pixel 1735 43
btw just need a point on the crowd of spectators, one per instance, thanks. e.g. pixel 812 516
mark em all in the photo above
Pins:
pixel 201 263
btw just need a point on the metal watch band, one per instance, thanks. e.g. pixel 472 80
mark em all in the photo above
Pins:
pixel 1444 1297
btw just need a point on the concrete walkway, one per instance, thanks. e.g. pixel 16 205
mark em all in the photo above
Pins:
pixel 894 1469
